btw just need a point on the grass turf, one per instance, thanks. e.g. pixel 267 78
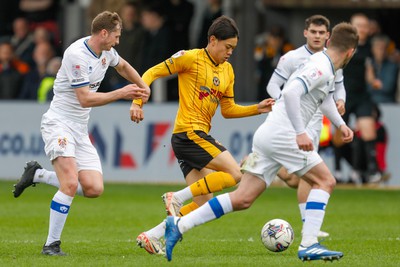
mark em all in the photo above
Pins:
pixel 363 223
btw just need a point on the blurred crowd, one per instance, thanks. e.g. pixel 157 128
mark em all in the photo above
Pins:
pixel 29 49
pixel 153 30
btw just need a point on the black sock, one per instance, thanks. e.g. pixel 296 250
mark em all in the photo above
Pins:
pixel 370 152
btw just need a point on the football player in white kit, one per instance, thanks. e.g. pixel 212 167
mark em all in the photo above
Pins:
pixel 64 126
pixel 316 32
pixel 282 140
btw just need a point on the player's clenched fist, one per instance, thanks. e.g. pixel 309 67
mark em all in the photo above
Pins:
pixel 132 91
pixel 304 142
pixel 347 133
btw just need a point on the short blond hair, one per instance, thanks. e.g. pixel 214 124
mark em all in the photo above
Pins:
pixel 109 21
pixel 344 37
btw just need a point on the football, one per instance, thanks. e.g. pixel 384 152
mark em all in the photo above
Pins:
pixel 277 235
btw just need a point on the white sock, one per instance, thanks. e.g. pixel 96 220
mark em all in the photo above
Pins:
pixel 314 216
pixel 59 209
pixel 44 176
pixel 213 209
pixel 302 208
pixel 157 231
pixel 183 195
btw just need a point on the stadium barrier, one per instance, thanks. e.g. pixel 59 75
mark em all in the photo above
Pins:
pixel 142 152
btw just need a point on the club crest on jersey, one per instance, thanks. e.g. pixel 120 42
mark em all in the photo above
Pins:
pixel 216 81
pixel 103 62
pixel 314 74
pixel 76 70
pixel 62 142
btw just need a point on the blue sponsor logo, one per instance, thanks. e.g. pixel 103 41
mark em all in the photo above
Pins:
pixel 19 144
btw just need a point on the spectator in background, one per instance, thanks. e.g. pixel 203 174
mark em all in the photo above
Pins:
pixel 157 38
pixel 45 90
pixel 130 44
pixel 22 40
pixel 267 53
pixel 179 14
pixel 381 145
pixel 39 11
pixel 359 101
pixel 8 12
pixel 12 71
pixel 41 34
pixel 42 13
pixel 376 29
pixel 360 162
pixel 382 72
pixel 212 11
pixel 99 6
pixel 42 54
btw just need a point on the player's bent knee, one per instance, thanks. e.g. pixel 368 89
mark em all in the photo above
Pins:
pixel 94 191
pixel 293 181
pixel 292 184
pixel 71 186
pixel 331 183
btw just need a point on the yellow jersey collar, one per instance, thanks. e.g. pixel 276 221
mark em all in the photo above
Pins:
pixel 215 64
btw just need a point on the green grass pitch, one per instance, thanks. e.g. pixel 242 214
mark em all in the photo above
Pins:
pixel 363 223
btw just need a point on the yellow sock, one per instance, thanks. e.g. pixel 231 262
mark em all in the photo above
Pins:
pixel 188 208
pixel 212 182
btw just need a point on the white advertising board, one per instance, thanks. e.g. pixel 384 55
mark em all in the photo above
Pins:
pixel 142 152
pixel 129 152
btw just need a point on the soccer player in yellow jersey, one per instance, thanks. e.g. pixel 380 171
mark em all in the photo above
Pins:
pixel 206 80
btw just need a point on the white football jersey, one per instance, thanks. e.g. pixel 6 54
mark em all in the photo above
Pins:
pixel 80 67
pixel 318 78
pixel 287 65
pixel 290 61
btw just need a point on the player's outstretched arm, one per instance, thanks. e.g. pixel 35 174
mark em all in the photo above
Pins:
pixel 89 99
pixel 129 73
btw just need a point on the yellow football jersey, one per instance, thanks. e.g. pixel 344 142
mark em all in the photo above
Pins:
pixel 203 85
